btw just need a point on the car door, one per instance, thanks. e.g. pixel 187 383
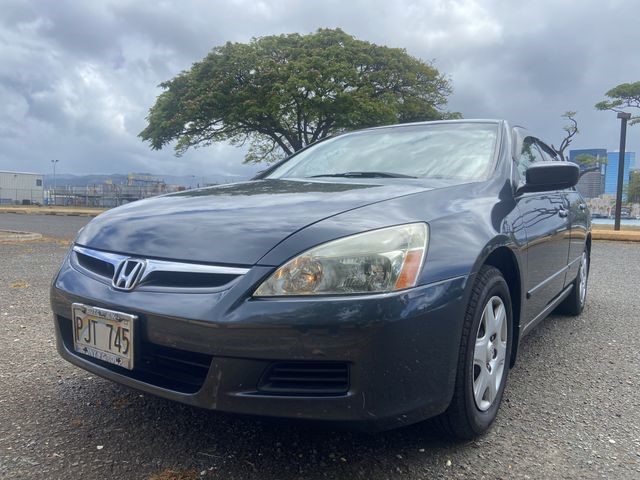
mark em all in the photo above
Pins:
pixel 546 221
pixel 578 220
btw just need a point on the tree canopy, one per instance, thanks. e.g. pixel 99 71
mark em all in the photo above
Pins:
pixel 622 96
pixel 281 93
pixel 590 163
pixel 633 187
pixel 590 160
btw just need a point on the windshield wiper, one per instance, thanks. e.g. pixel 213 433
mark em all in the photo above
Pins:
pixel 364 175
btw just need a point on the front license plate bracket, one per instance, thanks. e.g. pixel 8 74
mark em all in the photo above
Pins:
pixel 106 335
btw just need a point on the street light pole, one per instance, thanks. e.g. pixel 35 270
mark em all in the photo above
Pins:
pixel 624 117
pixel 54 180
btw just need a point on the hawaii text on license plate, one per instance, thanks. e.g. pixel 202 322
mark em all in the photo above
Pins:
pixel 104 334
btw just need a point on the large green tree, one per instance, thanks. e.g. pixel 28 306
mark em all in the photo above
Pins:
pixel 633 187
pixel 280 93
pixel 625 95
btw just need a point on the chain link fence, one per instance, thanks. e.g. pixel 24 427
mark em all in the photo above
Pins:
pixel 105 195
pixel 101 195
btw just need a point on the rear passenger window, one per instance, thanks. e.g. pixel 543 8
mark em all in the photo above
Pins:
pixel 528 156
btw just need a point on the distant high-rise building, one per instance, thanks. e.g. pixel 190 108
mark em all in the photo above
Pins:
pixel 592 178
pixel 611 177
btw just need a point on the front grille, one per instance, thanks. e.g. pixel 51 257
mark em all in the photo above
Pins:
pixel 305 378
pixel 187 279
pixel 165 367
pixel 157 275
pixel 95 265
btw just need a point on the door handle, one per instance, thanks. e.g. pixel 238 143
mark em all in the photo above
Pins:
pixel 582 206
pixel 563 212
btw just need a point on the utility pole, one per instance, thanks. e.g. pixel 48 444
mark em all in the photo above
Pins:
pixel 624 117
pixel 54 180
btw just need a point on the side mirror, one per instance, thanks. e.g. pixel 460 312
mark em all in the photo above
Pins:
pixel 547 176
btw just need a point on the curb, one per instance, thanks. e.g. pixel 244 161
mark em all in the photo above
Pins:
pixel 65 213
pixel 14 236
pixel 616 235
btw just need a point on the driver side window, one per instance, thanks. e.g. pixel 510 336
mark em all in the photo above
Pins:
pixel 530 154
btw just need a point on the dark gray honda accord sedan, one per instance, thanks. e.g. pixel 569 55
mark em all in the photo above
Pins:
pixel 373 279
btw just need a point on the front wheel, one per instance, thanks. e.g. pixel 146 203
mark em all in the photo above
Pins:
pixel 483 364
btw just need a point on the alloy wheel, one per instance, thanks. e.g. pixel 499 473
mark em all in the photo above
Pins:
pixel 584 273
pixel 489 356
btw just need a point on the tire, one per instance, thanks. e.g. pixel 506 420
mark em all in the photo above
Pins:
pixel 575 302
pixel 485 352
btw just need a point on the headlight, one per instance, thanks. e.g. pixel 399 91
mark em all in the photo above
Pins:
pixel 378 261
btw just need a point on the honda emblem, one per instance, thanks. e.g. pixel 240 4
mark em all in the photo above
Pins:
pixel 128 274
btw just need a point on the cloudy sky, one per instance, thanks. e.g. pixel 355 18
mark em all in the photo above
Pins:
pixel 78 77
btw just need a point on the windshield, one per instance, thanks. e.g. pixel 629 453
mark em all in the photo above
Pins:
pixel 462 151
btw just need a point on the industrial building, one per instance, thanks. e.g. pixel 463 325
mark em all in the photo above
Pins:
pixel 110 194
pixel 21 188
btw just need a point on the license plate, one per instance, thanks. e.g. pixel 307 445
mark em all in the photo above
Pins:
pixel 104 334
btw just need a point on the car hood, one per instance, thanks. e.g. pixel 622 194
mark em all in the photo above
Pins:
pixel 233 224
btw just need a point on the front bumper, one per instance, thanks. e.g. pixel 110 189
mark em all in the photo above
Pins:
pixel 400 350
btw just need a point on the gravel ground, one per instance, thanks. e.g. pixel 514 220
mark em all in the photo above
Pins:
pixel 571 409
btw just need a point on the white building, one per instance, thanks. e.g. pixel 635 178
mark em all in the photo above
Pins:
pixel 21 188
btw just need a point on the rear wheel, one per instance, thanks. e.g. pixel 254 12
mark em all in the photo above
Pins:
pixel 483 365
pixel 575 302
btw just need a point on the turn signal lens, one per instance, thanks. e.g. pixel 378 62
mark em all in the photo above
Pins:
pixel 372 262
pixel 410 270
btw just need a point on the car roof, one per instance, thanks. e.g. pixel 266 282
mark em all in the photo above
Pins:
pixel 436 122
